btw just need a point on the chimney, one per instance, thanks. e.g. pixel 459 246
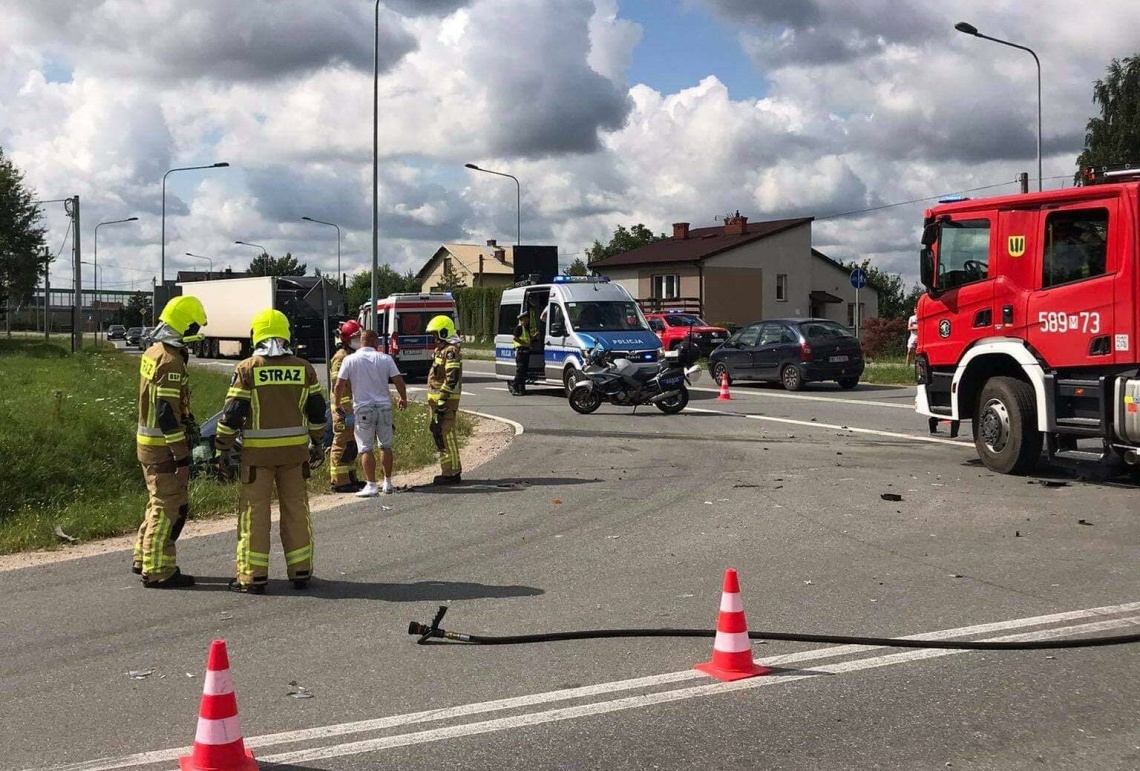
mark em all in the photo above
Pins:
pixel 680 231
pixel 491 242
pixel 735 225
pixel 501 254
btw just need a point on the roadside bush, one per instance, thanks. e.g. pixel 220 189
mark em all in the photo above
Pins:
pixel 884 337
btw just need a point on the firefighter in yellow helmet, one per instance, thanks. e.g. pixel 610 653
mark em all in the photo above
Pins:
pixel 161 441
pixel 276 404
pixel 343 452
pixel 445 382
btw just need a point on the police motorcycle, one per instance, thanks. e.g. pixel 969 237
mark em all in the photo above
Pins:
pixel 618 381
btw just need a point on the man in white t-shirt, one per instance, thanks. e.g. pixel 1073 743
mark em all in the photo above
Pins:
pixel 911 337
pixel 369 372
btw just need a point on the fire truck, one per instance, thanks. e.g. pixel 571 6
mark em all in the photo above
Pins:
pixel 1029 328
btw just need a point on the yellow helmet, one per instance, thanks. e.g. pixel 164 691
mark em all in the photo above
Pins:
pixel 269 323
pixel 186 316
pixel 442 326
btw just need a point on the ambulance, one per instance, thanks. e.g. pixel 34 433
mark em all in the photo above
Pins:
pixel 401 323
pixel 581 312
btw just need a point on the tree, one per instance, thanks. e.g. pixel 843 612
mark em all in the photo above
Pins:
pixel 388 281
pixel 138 311
pixel 623 241
pixel 22 248
pixel 892 295
pixel 450 280
pixel 578 268
pixel 265 265
pixel 1114 137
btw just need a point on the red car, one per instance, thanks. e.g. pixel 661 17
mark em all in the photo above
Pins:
pixel 675 327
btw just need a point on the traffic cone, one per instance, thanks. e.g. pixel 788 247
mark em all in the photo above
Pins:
pixel 218 745
pixel 724 395
pixel 732 653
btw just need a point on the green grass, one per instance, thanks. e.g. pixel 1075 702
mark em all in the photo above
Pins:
pixel 67 424
pixel 888 370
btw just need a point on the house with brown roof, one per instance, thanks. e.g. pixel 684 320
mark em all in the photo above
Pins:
pixel 489 265
pixel 740 272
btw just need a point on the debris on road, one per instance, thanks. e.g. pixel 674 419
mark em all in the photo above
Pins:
pixel 1051 483
pixel 1084 522
pixel 891 497
pixel 140 674
pixel 738 486
pixel 298 691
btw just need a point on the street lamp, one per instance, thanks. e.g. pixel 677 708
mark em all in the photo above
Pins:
pixel 340 276
pixel 162 267
pixel 375 168
pixel 970 29
pixel 255 246
pixel 96 264
pixel 207 259
pixel 518 196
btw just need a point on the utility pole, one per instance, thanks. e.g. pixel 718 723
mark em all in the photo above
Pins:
pixel 77 304
pixel 47 303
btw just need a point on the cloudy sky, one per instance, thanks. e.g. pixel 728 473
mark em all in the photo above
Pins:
pixel 608 111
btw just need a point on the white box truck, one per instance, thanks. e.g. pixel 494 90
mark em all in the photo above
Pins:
pixel 231 304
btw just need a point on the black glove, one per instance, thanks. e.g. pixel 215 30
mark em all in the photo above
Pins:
pixel 316 456
pixel 439 408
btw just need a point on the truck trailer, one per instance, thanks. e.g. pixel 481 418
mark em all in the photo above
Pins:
pixel 231 304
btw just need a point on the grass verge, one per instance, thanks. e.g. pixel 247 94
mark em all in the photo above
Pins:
pixel 67 424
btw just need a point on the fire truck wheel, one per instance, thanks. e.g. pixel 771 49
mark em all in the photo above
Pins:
pixel 1005 426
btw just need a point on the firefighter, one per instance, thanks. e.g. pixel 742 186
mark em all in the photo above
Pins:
pixel 445 382
pixel 275 402
pixel 343 452
pixel 525 333
pixel 161 441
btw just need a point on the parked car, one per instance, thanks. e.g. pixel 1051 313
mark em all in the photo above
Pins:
pixel 674 328
pixel 116 332
pixel 145 339
pixel 133 335
pixel 792 352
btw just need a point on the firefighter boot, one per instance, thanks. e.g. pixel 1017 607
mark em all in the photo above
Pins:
pixel 178 580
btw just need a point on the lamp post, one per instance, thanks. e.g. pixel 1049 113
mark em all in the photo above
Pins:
pixel 98 271
pixel 970 29
pixel 375 168
pixel 340 276
pixel 518 197
pixel 207 259
pixel 162 264
pixel 96 264
pixel 255 246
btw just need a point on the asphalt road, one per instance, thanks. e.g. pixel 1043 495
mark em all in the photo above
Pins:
pixel 625 520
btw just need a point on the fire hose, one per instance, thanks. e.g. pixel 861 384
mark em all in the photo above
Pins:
pixel 432 631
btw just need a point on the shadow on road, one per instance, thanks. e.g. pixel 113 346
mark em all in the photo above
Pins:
pixel 501 485
pixel 418 591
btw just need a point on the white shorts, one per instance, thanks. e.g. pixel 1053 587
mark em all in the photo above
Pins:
pixel 911 342
pixel 373 426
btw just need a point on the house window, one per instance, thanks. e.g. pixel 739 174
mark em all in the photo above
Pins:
pixel 851 314
pixel 666 287
pixel 782 287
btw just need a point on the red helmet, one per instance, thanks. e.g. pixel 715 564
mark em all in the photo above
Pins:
pixel 348 330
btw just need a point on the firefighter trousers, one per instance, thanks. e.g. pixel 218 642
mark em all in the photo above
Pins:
pixel 166 512
pixel 447 438
pixel 342 472
pixel 254 511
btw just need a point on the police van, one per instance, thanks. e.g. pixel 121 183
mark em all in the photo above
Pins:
pixel 401 323
pixel 580 313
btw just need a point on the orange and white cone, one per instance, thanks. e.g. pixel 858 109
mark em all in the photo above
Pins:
pixel 732 652
pixel 724 395
pixel 218 745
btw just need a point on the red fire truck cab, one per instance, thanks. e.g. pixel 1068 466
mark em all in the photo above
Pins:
pixel 1029 327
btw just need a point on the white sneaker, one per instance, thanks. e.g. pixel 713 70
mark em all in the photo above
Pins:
pixel 368 491
pixel 387 489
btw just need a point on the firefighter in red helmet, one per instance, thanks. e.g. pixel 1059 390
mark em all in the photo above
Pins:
pixel 342 453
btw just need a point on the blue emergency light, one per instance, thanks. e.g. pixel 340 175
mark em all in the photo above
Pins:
pixel 562 279
pixel 954 199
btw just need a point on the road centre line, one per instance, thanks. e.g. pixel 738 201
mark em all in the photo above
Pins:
pixel 376 724
pixel 662 697
pixel 835 427
pixel 806 398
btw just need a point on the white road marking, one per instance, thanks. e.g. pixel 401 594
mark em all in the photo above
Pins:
pixel 364 726
pixel 806 398
pixel 662 697
pixel 518 427
pixel 836 427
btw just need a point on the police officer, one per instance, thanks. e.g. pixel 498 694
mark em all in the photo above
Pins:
pixel 163 449
pixel 275 402
pixel 525 333
pixel 445 382
pixel 343 452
